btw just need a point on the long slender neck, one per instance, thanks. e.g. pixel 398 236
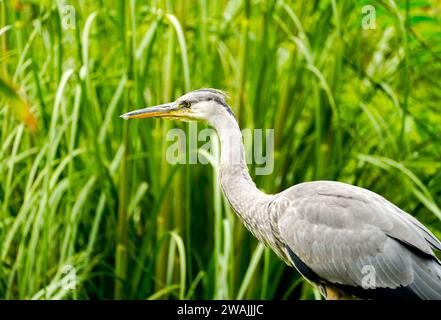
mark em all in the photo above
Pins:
pixel 247 201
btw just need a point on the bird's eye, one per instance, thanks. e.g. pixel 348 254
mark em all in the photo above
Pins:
pixel 186 104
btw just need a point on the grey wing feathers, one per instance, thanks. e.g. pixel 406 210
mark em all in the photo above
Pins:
pixel 430 238
pixel 347 234
pixel 427 279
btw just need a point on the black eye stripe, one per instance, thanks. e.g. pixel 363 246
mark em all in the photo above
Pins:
pixel 223 104
pixel 218 100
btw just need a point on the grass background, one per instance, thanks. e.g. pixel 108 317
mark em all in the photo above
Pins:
pixel 89 208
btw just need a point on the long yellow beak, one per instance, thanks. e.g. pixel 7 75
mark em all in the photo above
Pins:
pixel 163 110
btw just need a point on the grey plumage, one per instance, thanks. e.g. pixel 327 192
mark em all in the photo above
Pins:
pixel 337 235
pixel 342 229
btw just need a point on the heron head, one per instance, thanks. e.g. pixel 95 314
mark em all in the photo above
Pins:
pixel 202 104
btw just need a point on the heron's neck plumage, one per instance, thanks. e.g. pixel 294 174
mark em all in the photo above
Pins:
pixel 247 201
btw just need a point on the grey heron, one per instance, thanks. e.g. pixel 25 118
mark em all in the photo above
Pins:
pixel 343 239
